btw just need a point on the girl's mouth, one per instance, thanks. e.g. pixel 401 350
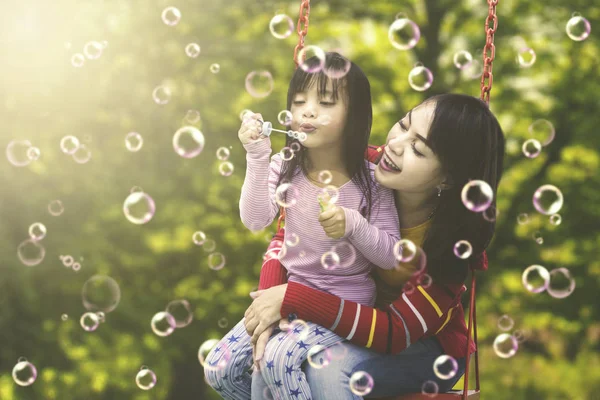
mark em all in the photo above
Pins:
pixel 388 166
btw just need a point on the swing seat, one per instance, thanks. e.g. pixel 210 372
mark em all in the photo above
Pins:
pixel 451 395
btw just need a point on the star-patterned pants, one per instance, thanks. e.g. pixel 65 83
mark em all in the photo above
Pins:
pixel 227 366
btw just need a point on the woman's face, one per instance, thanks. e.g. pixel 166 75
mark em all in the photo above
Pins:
pixel 408 163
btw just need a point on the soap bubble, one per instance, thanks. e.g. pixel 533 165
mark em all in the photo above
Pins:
pixel 307 53
pixel 89 321
pixel 424 280
pixel 405 250
pixel 462 59
pixel 24 373
pixel 330 260
pixel 209 245
pixel 215 68
pixel 548 199
pixel 404 34
pixel 181 311
pixel 216 261
pixel 526 57
pixel 505 345
pixel 188 142
pixel 16 152
pixel 286 195
pixel 535 278
pixel 213 345
pixel 420 78
pixel 192 50
pixel 543 131
pixel 285 118
pixel 82 154
pixel 37 231
pixel 171 16
pixel 325 177
pixel 292 240
pixel 463 249
pixel 69 144
pixel 532 148
pixel 259 84
pixel 192 116
pixel 473 70
pixel 163 324
pixel 133 141
pixel 76 266
pixel 67 260
pixel 318 357
pixel 161 95
pixel 505 323
pixel 56 208
pixel 77 60
pixel 281 26
pixel 139 208
pixel 33 153
pixel 286 154
pixel 578 28
pixel 555 219
pixel 226 168
pixel 561 283
pixel 523 218
pixel 223 153
pixel 361 383
pixel 477 195
pixel 537 236
pixel 101 317
pixel 430 389
pixel 445 367
pixel 64 317
pixel 346 253
pixel 31 252
pixel 145 379
pixel 93 50
pixel 199 238
pixel 222 322
pixel 101 293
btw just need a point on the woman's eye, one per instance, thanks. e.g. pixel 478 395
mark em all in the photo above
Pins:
pixel 402 125
pixel 298 101
pixel 417 153
pixel 326 103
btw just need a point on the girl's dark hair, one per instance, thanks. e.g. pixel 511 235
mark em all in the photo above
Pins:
pixel 469 143
pixel 355 86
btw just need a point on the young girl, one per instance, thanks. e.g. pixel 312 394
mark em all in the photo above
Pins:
pixel 333 109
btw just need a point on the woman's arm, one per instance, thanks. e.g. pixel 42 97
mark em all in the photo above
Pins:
pixel 272 273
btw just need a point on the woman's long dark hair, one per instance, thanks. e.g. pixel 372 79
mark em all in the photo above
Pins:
pixel 355 86
pixel 469 143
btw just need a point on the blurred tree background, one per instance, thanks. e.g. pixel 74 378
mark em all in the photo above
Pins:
pixel 44 97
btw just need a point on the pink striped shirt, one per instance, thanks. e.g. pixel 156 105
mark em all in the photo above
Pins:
pixel 365 243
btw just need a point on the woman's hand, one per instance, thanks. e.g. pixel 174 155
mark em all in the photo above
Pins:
pixel 264 310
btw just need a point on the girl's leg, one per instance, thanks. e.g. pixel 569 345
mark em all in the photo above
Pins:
pixel 392 375
pixel 226 366
pixel 281 365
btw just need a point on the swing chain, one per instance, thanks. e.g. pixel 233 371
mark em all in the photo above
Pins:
pixel 302 29
pixel 489 51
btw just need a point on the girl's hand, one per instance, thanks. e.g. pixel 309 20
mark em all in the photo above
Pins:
pixel 250 130
pixel 333 222
pixel 264 311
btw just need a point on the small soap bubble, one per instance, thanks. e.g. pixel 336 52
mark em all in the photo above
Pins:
pixel 318 357
pixel 188 142
pixel 199 238
pixel 181 311
pixel 430 389
pixel 308 53
pixel 330 260
pixel 286 195
pixel 162 323
pixel 76 266
pixel 543 131
pixel 259 84
pixel 490 214
pixel 93 50
pixel 505 345
pixel 523 218
pixel 133 141
pixel 462 59
pixel 295 146
pixel 285 118
pixel 463 249
pixel 561 283
pixel 192 116
pixel 215 350
pixel 56 208
pixel 223 153
pixel 64 317
pixel 145 379
pixel 292 240
pixel 405 250
pixel 361 383
pixel 67 260
pixel 69 144
pixel 101 317
pixel 37 231
pixel 519 335
pixel 24 373
pixel 17 153
pixel 298 329
pixel 101 293
pixel 33 153
pixel 445 367
pixel 329 195
pixel 474 70
pixel 89 321
pixel 548 199
pixel 537 236
pixel 325 177
pixel 215 68
pixel 222 322
pixel 477 195
pixel 555 219
pixel 420 78
pixel 209 245
pixel 192 50
pixel 281 26
pixel 286 154
pixel 578 28
pixel 82 155
pixel 77 60
pixel 216 261
pixel 226 168
pixel 505 323
pixel 31 252
pixel 535 278
pixel 404 34
pixel 526 57
pixel 171 16
pixel 424 280
pixel 161 95
pixel 532 148
pixel 139 208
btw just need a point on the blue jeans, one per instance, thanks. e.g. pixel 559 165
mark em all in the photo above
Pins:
pixel 393 375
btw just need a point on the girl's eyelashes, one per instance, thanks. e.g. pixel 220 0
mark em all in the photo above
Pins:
pixel 325 103
pixel 417 153
pixel 402 125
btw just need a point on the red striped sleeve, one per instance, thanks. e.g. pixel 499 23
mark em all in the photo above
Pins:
pixel 272 273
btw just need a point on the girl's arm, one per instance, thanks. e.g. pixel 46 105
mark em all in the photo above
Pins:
pixel 272 273
pixel 375 239
pixel 257 202
pixel 389 331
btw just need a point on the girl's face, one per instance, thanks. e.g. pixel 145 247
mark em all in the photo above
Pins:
pixel 321 117
pixel 415 168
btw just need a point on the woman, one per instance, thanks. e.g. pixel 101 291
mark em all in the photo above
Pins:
pixel 430 154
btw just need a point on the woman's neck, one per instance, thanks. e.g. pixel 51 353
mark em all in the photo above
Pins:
pixel 414 208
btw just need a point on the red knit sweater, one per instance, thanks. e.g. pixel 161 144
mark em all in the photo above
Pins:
pixel 424 312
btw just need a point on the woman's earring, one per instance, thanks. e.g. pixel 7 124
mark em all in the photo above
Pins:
pixel 439 191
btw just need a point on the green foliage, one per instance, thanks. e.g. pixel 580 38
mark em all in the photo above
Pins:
pixel 45 98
